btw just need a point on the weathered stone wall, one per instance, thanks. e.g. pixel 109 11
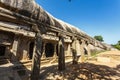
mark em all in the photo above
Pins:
pixel 23 48
pixel 31 10
pixel 6 38
pixel 30 33
pixel 21 18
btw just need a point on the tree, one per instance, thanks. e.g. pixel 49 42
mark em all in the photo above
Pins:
pixel 117 46
pixel 99 38
pixel 118 42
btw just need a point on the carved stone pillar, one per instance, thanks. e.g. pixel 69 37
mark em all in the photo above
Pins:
pixel 78 51
pixel 69 50
pixel 82 51
pixel 35 71
pixel 61 54
pixel 88 49
pixel 43 53
pixel 55 53
pixel 15 46
pixel 74 52
pixel 78 48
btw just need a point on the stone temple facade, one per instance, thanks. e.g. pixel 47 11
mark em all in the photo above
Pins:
pixel 18 21
pixel 21 20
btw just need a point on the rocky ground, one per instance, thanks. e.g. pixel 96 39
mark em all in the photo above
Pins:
pixel 105 66
pixel 108 68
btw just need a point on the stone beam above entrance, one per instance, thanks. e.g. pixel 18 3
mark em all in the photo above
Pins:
pixel 13 28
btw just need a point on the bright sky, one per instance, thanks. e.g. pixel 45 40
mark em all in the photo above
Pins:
pixel 95 17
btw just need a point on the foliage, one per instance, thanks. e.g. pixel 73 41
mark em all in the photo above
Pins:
pixel 118 42
pixel 117 46
pixel 99 38
pixel 94 53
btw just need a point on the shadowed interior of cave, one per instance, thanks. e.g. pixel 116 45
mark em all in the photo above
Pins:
pixel 49 50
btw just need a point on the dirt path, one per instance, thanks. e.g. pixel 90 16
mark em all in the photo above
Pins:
pixel 108 58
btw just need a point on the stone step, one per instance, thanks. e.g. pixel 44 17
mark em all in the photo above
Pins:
pixel 4 61
pixel 25 61
pixel 45 62
pixel 28 65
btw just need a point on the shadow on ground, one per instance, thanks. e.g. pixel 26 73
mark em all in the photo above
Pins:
pixel 13 70
pixel 82 71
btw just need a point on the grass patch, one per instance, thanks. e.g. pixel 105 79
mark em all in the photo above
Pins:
pixel 94 53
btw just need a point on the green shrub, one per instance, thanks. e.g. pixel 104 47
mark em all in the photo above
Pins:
pixel 117 46
pixel 94 53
